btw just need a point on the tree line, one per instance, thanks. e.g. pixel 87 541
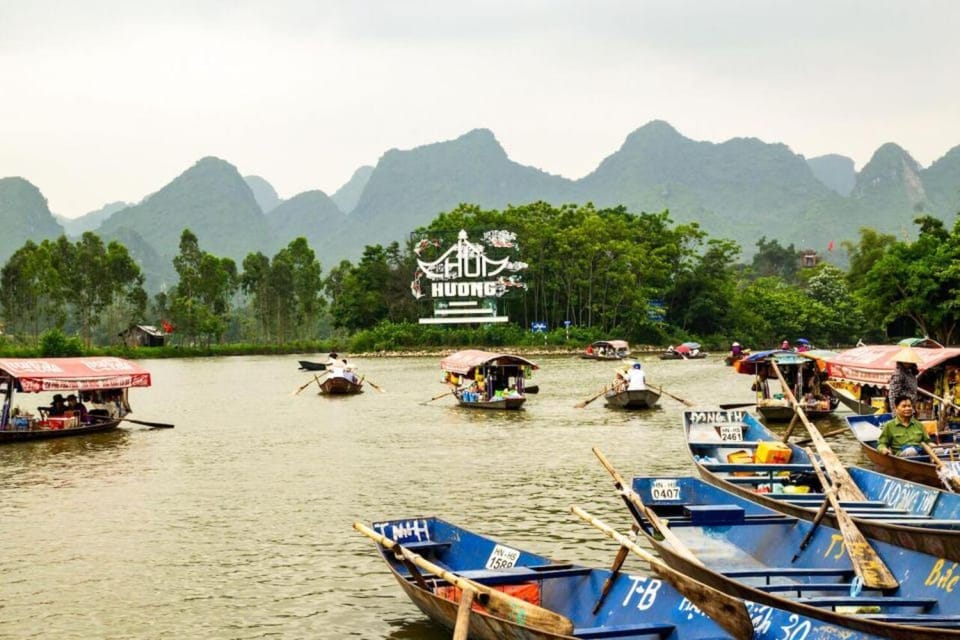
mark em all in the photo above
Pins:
pixel 593 273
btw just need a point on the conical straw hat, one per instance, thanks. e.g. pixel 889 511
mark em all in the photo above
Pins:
pixel 907 355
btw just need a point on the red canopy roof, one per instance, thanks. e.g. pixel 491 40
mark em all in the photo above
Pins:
pixel 74 374
pixel 462 362
pixel 874 364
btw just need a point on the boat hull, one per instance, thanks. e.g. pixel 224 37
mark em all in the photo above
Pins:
pixel 306 365
pixel 632 399
pixel 7 436
pixel 501 404
pixel 339 386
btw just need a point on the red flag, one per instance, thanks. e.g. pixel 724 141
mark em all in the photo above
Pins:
pixel 167 327
pixel 830 246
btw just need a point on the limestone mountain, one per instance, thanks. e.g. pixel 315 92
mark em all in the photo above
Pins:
pixel 24 215
pixel 835 171
pixel 311 214
pixel 408 189
pixel 890 191
pixel 347 196
pixel 212 200
pixel 76 227
pixel 942 182
pixel 264 193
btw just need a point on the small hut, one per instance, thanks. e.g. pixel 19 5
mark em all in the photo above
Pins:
pixel 143 335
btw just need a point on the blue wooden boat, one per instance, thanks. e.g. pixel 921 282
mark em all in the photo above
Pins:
pixel 756 553
pixel 635 607
pixel 920 468
pixel 894 510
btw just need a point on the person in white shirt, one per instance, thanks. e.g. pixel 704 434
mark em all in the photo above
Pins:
pixel 636 379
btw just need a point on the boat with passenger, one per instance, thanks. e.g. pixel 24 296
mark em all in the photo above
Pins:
pixel 683 351
pixel 487 380
pixel 803 372
pixel 492 590
pixel 606 350
pixel 98 385
pixel 918 468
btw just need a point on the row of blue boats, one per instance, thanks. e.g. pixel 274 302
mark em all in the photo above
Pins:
pixel 773 540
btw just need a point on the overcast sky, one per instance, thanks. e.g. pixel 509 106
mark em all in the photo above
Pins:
pixel 110 100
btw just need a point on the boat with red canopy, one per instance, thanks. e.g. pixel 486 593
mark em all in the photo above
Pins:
pixel 99 383
pixel 487 380
pixel 861 376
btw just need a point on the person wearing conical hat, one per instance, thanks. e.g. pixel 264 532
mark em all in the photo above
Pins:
pixel 903 381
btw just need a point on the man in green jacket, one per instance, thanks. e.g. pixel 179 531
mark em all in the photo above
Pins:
pixel 902 435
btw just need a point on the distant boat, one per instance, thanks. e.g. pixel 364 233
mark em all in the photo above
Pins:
pixel 607 350
pixel 307 365
pixel 684 351
pixel 487 380
pixel 806 375
pixel 632 398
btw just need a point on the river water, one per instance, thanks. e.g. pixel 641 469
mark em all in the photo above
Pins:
pixel 237 522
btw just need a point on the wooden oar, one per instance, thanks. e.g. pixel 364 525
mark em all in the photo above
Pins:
pixel 936 397
pixel 677 398
pixel 155 425
pixel 636 506
pixel 461 630
pixel 496 602
pixel 949 476
pixel 374 384
pixel 828 434
pixel 866 563
pixel 737 405
pixel 305 385
pixel 442 395
pixel 581 405
pixel 847 489
pixel 728 611
pixel 618 561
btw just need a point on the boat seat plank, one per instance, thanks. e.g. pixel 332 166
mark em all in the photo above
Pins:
pixel 806 586
pixel 922 619
pixel 754 466
pixel 726 443
pixel 787 572
pixel 521 574
pixel 425 546
pixel 869 601
pixel 771 519
pixel 614 631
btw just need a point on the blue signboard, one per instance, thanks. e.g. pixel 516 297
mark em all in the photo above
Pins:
pixel 538 327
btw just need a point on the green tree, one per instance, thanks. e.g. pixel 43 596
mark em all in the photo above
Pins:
pixel 918 280
pixel 200 302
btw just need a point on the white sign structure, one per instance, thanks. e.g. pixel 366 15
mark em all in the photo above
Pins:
pixel 464 282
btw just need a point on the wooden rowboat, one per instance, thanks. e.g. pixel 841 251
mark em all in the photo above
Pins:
pixel 920 468
pixel 632 399
pixel 343 384
pixel 894 510
pixel 307 365
pixel 539 599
